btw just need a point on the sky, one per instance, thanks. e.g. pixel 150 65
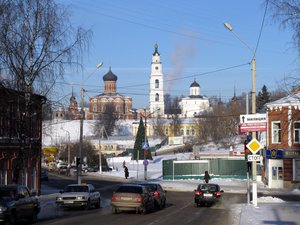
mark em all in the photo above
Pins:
pixel 193 44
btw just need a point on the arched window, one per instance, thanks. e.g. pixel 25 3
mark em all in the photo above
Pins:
pixel 156 83
pixel 156 97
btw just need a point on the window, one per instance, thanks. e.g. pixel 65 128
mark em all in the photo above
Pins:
pixel 181 132
pixel 276 132
pixel 167 131
pixel 156 97
pixel 156 83
pixel 193 132
pixel 187 132
pixel 297 132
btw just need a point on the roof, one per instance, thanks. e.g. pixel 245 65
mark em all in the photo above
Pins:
pixel 110 76
pixel 292 99
pixel 194 84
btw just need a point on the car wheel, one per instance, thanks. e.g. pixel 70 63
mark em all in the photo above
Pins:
pixel 143 210
pixel 98 204
pixel 33 218
pixel 12 218
pixel 114 210
pixel 88 205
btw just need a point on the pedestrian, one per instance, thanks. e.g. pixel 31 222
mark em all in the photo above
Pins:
pixel 206 177
pixel 69 170
pixel 126 172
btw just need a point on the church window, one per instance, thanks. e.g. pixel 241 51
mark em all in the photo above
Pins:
pixel 187 132
pixel 167 131
pixel 94 108
pixel 181 132
pixel 156 97
pixel 193 132
pixel 156 83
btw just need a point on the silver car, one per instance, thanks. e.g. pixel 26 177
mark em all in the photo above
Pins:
pixel 79 195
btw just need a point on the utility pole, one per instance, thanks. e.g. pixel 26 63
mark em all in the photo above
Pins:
pixel 253 95
pixel 79 167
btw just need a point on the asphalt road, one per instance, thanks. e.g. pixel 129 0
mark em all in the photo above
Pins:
pixel 180 208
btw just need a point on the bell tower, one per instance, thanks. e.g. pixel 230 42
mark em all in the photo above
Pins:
pixel 156 84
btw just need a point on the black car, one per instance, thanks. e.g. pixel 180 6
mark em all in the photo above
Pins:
pixel 158 193
pixel 207 194
pixel 16 203
pixel 44 175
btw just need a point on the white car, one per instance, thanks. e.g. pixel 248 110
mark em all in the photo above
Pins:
pixel 79 195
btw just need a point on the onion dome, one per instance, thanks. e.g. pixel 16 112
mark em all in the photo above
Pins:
pixel 156 49
pixel 110 76
pixel 195 84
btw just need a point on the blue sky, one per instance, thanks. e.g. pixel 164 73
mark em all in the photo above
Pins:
pixel 192 41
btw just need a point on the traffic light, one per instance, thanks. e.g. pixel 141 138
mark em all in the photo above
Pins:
pixel 246 150
pixel 77 161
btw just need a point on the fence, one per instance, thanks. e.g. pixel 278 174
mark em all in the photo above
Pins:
pixel 194 169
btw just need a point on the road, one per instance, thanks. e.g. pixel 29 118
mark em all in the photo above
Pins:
pixel 180 208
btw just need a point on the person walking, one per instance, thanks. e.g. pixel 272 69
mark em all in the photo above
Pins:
pixel 126 172
pixel 206 177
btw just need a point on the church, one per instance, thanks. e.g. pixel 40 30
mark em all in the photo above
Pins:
pixel 192 106
pixel 195 104
pixel 110 100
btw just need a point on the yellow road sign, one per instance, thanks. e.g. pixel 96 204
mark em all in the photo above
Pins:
pixel 254 146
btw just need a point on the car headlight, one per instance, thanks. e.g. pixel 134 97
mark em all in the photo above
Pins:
pixel 58 198
pixel 3 208
pixel 80 197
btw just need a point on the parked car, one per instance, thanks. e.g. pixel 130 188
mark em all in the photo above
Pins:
pixel 44 175
pixel 16 203
pixel 63 169
pixel 104 168
pixel 207 194
pixel 79 195
pixel 132 197
pixel 158 193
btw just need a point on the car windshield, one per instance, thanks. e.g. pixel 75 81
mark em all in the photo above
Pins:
pixel 206 187
pixel 151 187
pixel 7 194
pixel 76 189
pixel 130 189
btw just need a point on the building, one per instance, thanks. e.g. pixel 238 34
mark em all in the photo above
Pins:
pixel 73 111
pixel 195 104
pixel 283 154
pixel 20 138
pixel 110 101
pixel 156 97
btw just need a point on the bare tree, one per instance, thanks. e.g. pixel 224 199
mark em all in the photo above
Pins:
pixel 287 13
pixel 106 121
pixel 158 124
pixel 37 42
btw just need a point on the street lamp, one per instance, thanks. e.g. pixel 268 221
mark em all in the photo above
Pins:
pixel 68 148
pixel 145 161
pixel 253 95
pixel 81 123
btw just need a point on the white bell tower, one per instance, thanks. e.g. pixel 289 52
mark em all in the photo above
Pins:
pixel 156 85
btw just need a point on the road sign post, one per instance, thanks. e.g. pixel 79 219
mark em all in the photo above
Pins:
pixel 254 146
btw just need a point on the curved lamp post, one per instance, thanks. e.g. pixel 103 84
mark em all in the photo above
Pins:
pixel 253 95
pixel 81 123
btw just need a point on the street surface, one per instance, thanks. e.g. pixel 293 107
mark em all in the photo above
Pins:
pixel 180 208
